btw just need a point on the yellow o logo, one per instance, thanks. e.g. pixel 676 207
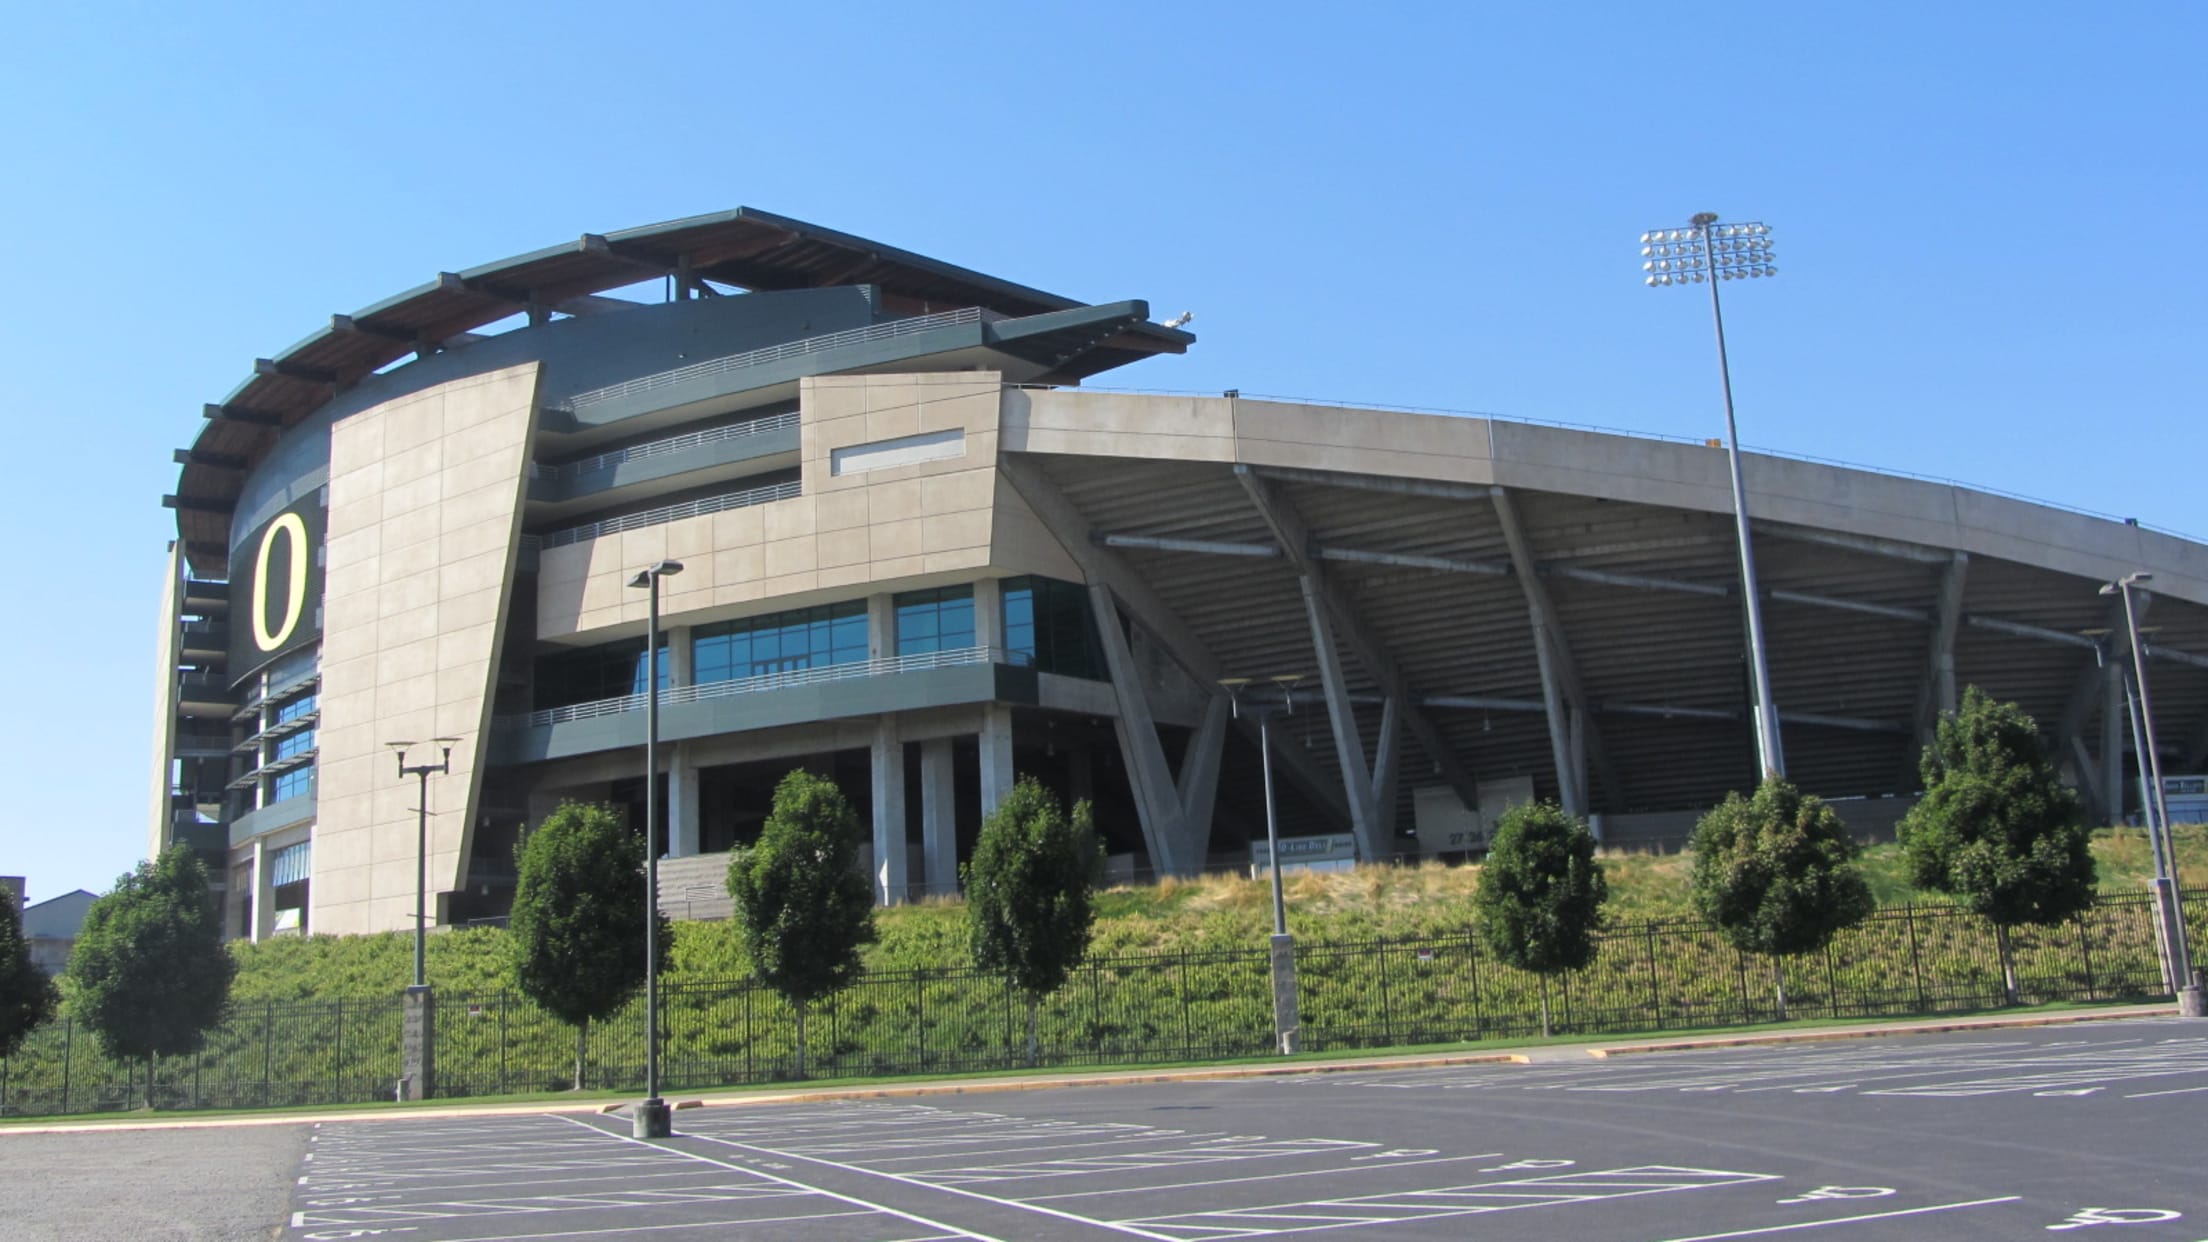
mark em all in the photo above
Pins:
pixel 295 592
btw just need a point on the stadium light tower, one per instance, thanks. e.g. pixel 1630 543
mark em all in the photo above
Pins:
pixel 1706 252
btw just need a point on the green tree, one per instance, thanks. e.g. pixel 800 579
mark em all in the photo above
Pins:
pixel 805 907
pixel 1029 887
pixel 150 973
pixel 1777 873
pixel 1541 893
pixel 27 996
pixel 578 919
pixel 1997 827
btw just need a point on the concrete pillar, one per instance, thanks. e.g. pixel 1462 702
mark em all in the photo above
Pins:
pixel 2114 712
pixel 881 627
pixel 989 613
pixel 261 902
pixel 682 802
pixel 939 816
pixel 996 755
pixel 682 662
pixel 418 1044
pixel 888 766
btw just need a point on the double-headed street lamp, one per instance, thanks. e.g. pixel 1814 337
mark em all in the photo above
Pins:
pixel 652 1119
pixel 422 771
pixel 2168 902
pixel 1286 1024
pixel 1706 252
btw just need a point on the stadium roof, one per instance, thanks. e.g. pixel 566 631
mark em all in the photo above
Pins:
pixel 744 248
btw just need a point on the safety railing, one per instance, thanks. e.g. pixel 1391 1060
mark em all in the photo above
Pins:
pixel 887 666
pixel 775 353
pixel 660 448
pixel 662 515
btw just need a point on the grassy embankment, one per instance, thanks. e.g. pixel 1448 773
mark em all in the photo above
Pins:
pixel 1211 913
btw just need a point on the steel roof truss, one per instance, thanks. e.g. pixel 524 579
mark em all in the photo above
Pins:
pixel 1150 611
pixel 1295 541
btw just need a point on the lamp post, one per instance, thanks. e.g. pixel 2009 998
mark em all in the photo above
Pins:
pixel 422 771
pixel 652 1119
pixel 1287 1026
pixel 1706 252
pixel 2168 901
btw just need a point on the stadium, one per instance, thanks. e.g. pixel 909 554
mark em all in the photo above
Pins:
pixel 918 556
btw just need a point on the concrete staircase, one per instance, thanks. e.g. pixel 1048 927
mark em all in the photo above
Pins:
pixel 695 887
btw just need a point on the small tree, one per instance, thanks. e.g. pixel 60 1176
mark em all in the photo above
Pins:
pixel 1541 893
pixel 150 971
pixel 1997 827
pixel 1777 873
pixel 27 996
pixel 806 908
pixel 578 920
pixel 1028 893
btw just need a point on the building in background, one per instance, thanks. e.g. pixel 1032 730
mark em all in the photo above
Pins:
pixel 50 927
pixel 919 559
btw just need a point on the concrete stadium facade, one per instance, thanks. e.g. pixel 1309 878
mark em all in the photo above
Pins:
pixel 920 559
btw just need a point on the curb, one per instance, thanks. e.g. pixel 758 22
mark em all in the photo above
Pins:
pixel 1224 1073
pixel 1878 1032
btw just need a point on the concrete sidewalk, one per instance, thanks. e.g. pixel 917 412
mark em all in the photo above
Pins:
pixel 1545 1054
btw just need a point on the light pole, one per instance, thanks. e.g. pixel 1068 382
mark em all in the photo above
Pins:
pixel 1706 252
pixel 422 771
pixel 2168 901
pixel 1287 1026
pixel 653 1119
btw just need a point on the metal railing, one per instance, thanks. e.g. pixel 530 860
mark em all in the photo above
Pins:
pixel 663 515
pixel 886 666
pixel 775 353
pixel 660 448
pixel 1669 974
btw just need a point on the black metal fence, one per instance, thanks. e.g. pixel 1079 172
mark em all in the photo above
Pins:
pixel 1195 1005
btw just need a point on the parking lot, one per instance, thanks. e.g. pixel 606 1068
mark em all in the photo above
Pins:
pixel 1994 1135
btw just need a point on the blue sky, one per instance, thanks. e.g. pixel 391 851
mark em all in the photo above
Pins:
pixel 1985 220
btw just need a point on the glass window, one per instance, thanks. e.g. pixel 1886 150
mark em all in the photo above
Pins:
pixel 292 744
pixel 292 784
pixel 603 672
pixel 295 708
pixel 941 619
pixel 1048 625
pixel 780 642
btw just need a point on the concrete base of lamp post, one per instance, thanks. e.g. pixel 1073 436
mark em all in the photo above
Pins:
pixel 418 1044
pixel 653 1119
pixel 2192 1002
pixel 1287 1023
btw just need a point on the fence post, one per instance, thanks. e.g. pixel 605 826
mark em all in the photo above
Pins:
pixel 1096 1009
pixel 1655 985
pixel 199 1059
pixel 1832 982
pixel 750 1074
pixel 1740 976
pixel 1387 1012
pixel 920 1014
pixel 1479 1011
pixel 68 1057
pixel 1188 1040
pixel 2085 954
pixel 337 1084
pixel 268 1053
pixel 1916 963
pixel 505 1002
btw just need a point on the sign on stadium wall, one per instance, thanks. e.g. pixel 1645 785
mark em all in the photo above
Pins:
pixel 276 587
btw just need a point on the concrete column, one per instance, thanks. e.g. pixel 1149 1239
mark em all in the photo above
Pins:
pixel 682 661
pixel 888 766
pixel 939 816
pixel 989 613
pixel 881 627
pixel 418 1044
pixel 2114 712
pixel 682 802
pixel 996 755
pixel 261 902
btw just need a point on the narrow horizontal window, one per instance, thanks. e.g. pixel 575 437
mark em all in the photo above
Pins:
pixel 903 451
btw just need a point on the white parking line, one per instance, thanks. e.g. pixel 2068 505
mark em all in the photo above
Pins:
pixel 1845 1220
pixel 951 1230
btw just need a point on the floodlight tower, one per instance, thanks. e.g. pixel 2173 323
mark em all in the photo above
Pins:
pixel 1706 252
